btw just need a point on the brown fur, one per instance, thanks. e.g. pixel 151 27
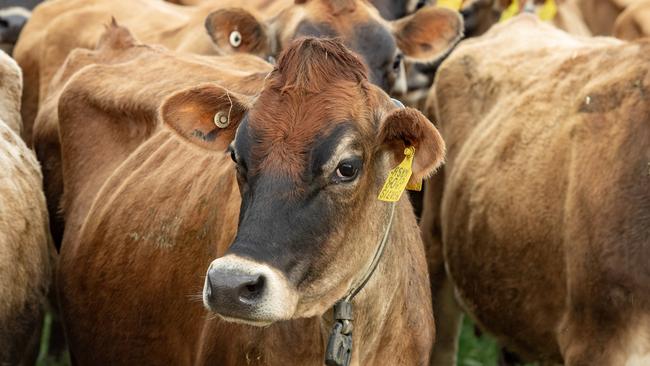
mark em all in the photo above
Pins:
pixel 146 216
pixel 483 14
pixel 59 26
pixel 633 22
pixel 544 209
pixel 25 262
pixel 600 15
pixel 118 51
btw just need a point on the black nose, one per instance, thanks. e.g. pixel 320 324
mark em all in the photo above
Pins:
pixel 234 294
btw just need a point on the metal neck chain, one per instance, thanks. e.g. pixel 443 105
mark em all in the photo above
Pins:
pixel 339 344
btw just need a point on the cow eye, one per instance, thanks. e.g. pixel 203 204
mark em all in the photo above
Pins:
pixel 397 62
pixel 420 4
pixel 233 156
pixel 347 170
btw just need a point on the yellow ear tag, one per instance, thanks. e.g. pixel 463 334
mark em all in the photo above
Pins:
pixel 450 4
pixel 510 11
pixel 417 186
pixel 547 11
pixel 398 178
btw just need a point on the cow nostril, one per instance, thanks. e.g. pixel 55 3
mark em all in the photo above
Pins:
pixel 251 290
pixel 208 288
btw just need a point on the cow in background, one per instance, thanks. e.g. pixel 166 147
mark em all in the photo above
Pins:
pixel 481 15
pixel 13 16
pixel 541 214
pixel 389 9
pixel 26 252
pixel 258 27
pixel 634 22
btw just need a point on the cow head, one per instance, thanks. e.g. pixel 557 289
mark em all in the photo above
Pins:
pixel 311 152
pixel 12 20
pixel 395 9
pixel 422 37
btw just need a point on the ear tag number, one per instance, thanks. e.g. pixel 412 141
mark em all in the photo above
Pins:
pixel 547 11
pixel 398 178
pixel 510 11
pixel 450 4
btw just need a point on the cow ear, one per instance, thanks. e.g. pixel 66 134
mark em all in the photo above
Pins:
pixel 206 115
pixel 428 34
pixel 235 30
pixel 404 127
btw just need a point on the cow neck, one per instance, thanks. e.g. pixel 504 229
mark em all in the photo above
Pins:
pixel 339 343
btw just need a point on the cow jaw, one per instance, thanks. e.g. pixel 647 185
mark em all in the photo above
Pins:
pixel 244 291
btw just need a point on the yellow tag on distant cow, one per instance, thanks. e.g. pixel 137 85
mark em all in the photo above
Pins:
pixel 398 178
pixel 450 4
pixel 510 11
pixel 547 11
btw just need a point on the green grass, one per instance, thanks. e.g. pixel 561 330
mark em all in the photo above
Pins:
pixel 476 351
pixel 472 350
pixel 44 356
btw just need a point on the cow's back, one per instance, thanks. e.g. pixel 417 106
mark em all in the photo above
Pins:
pixel 57 27
pixel 544 209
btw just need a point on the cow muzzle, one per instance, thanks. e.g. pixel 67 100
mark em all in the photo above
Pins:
pixel 245 291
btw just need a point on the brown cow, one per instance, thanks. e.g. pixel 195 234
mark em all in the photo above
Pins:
pixel 634 21
pixel 261 27
pixel 148 208
pixel 389 9
pixel 480 15
pixel 25 268
pixel 600 15
pixel 545 212
pixel 46 133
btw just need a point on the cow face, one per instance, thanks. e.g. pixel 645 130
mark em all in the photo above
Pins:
pixel 395 9
pixel 12 20
pixel 422 37
pixel 311 153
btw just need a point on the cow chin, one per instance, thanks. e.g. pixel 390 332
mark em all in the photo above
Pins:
pixel 244 291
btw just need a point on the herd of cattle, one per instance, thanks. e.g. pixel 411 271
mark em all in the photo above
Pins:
pixel 196 182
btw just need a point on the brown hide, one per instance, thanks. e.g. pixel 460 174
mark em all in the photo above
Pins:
pixel 481 15
pixel 118 51
pixel 147 210
pixel 545 208
pixel 57 27
pixel 25 243
pixel 264 29
pixel 600 15
pixel 634 21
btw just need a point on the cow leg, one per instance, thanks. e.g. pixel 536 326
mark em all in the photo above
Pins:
pixel 448 317
pixel 588 342
pixel 446 311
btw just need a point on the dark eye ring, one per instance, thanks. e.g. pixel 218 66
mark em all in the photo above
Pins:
pixel 346 172
pixel 397 62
